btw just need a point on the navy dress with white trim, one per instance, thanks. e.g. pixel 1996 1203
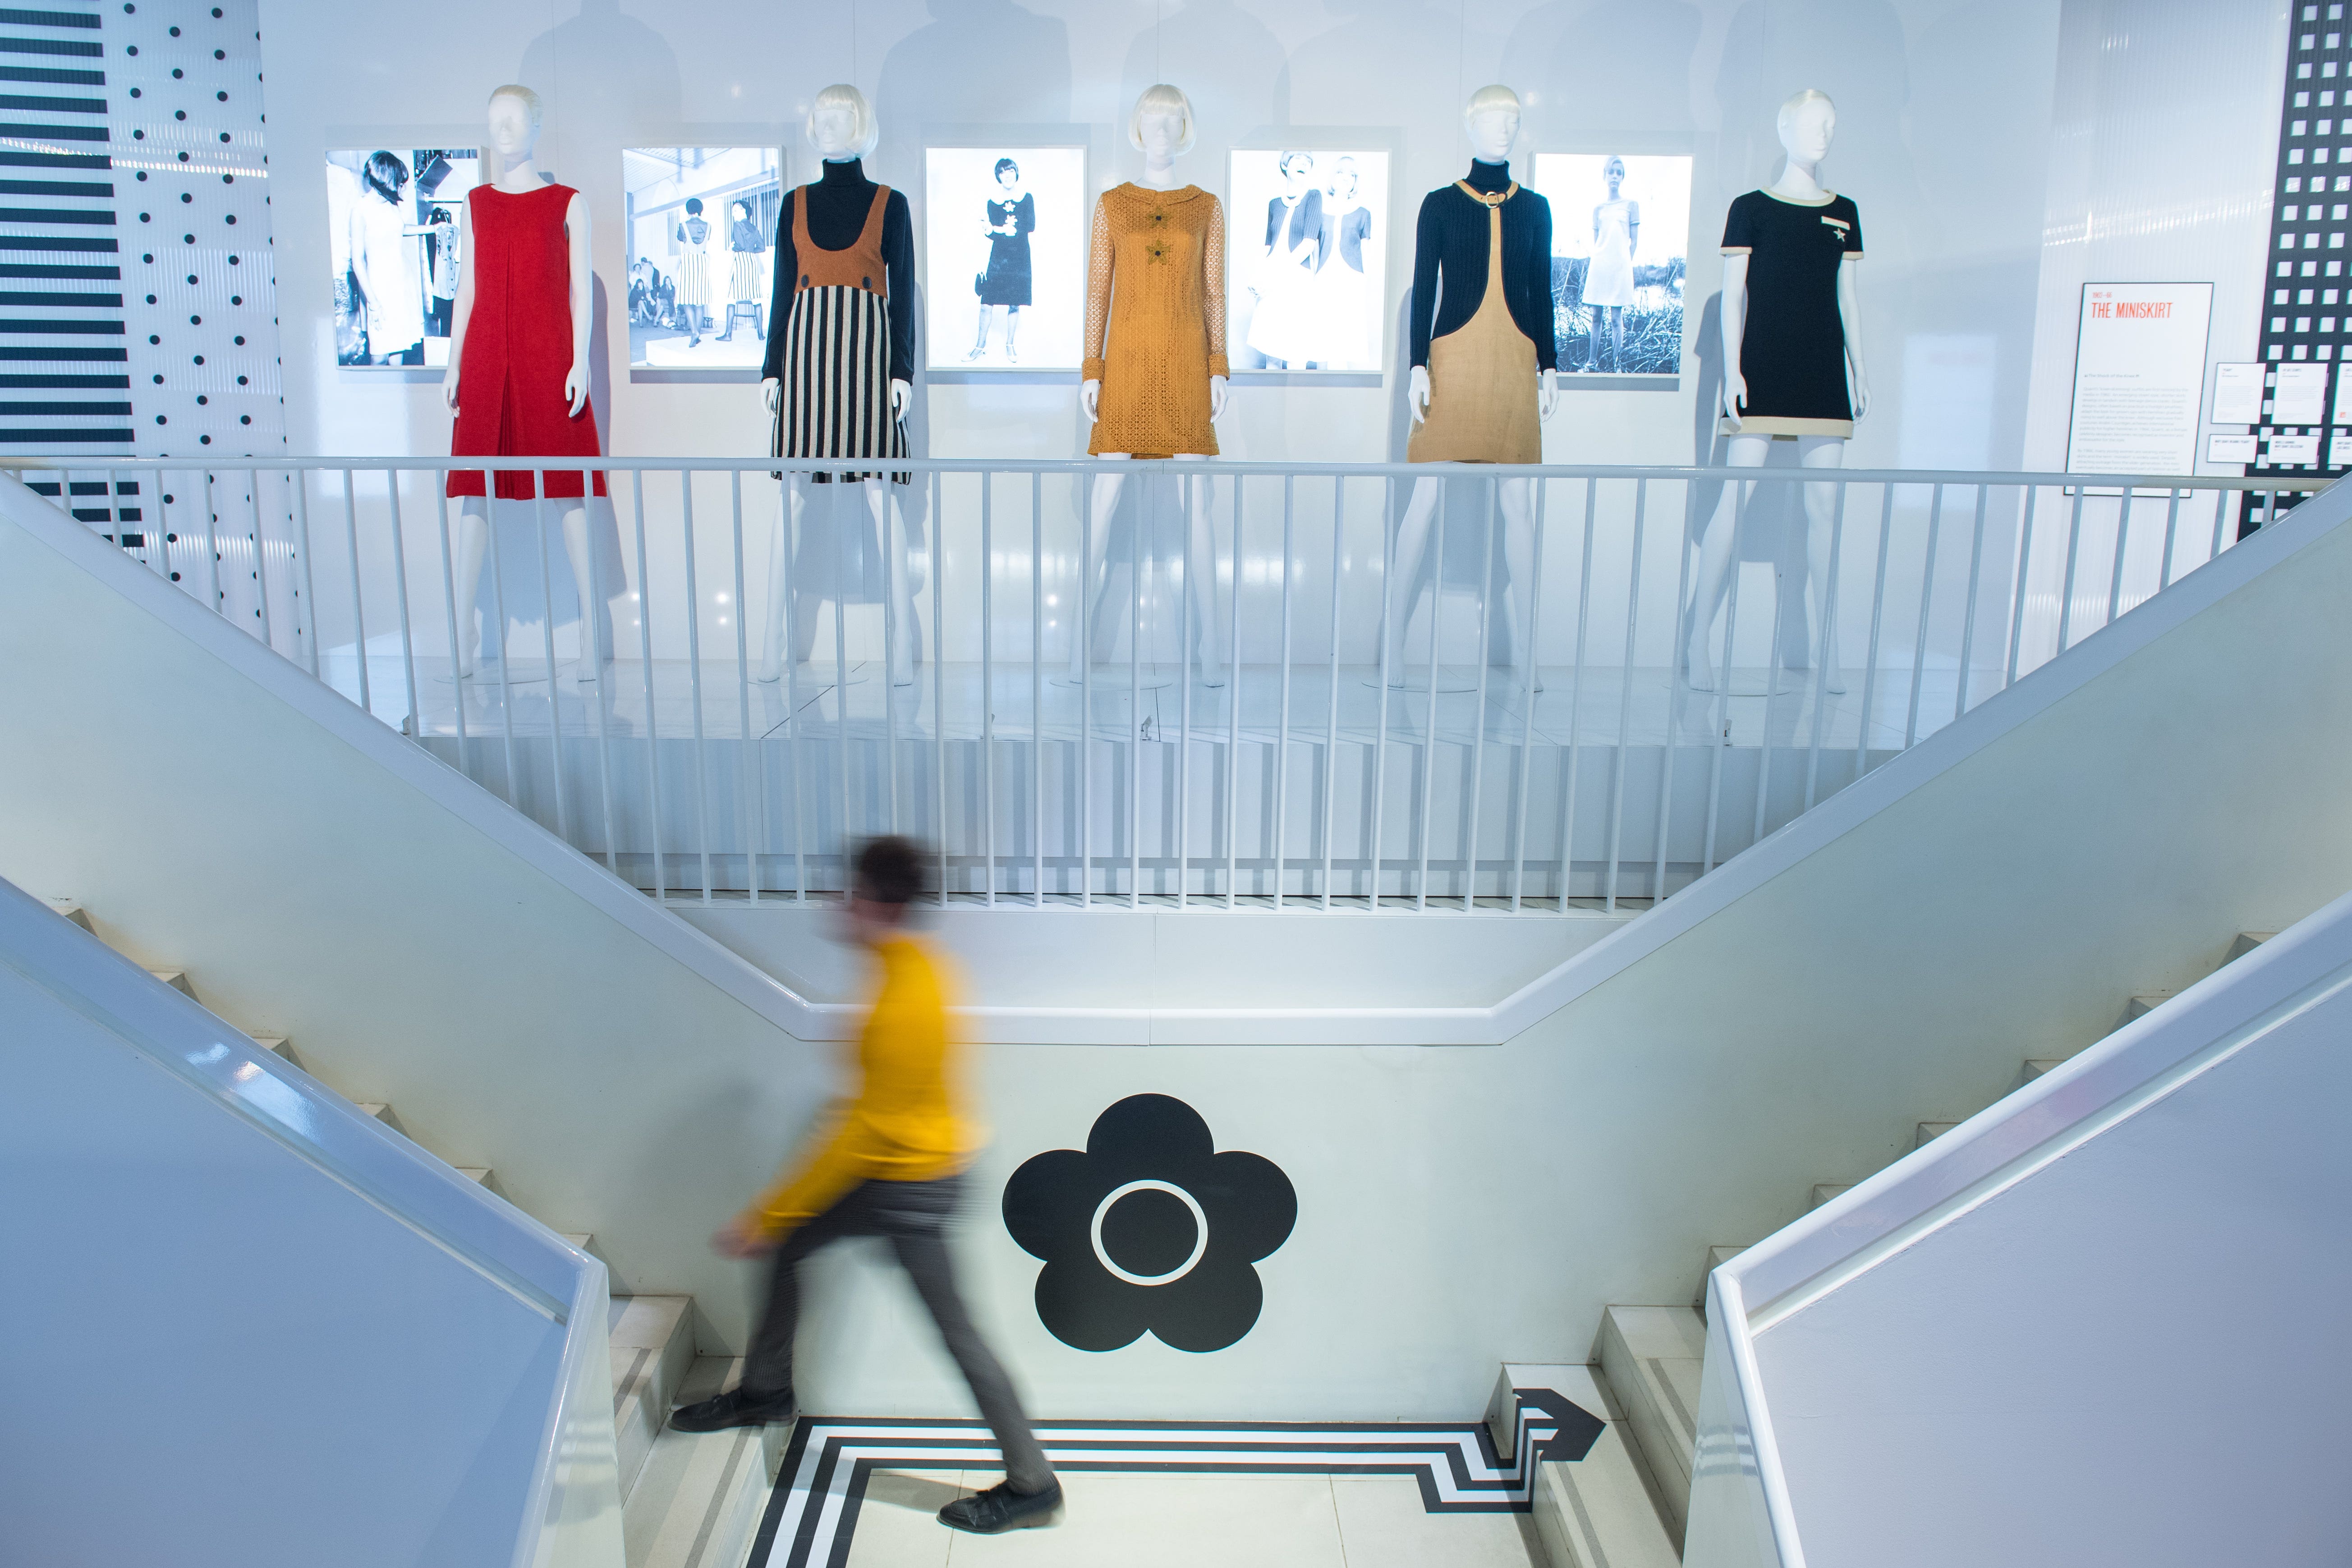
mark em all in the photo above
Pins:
pixel 1792 346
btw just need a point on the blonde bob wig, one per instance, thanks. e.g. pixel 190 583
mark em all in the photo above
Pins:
pixel 1163 99
pixel 1487 99
pixel 840 95
pixel 523 95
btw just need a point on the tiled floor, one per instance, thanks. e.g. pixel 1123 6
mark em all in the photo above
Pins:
pixel 1193 1521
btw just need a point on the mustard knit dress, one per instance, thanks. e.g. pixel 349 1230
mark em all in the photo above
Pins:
pixel 1156 290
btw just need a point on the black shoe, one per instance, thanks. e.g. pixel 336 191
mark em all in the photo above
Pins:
pixel 732 1408
pixel 1000 1507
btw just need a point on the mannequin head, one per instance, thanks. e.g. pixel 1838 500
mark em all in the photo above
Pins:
pixel 1162 125
pixel 841 124
pixel 514 117
pixel 1807 123
pixel 1491 120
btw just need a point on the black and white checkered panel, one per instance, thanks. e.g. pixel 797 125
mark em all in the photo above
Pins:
pixel 2308 311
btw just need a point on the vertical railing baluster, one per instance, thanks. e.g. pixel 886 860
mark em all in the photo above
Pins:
pixel 841 665
pixel 310 616
pixel 1773 670
pixel 2122 549
pixel 1969 613
pixel 2023 588
pixel 1282 721
pixel 1674 670
pixel 2171 522
pixel 261 563
pixel 1827 638
pixel 416 723
pixel 1233 698
pixel 1877 619
pixel 218 604
pixel 358 615
pixel 1190 495
pixel 890 555
pixel 1037 683
pixel 751 759
pixel 645 601
pixel 506 668
pixel 1719 711
pixel 1467 819
pixel 1429 733
pixel 1624 701
pixel 449 599
pixel 787 613
pixel 1332 672
pixel 938 552
pixel 589 616
pixel 1576 701
pixel 1926 603
pixel 2074 554
pixel 1146 537
pixel 987 675
pixel 547 637
pixel 694 674
pixel 1084 606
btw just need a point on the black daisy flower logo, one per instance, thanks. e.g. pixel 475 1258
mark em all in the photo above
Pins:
pixel 1150 1229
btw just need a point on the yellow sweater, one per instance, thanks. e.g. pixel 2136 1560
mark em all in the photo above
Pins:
pixel 907 1120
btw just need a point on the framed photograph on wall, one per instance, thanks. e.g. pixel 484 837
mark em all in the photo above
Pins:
pixel 1620 252
pixel 1005 257
pixel 393 221
pixel 701 228
pixel 1307 240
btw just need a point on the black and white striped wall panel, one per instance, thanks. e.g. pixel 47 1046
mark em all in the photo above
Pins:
pixel 140 302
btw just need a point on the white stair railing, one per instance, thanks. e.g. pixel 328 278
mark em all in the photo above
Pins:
pixel 1335 767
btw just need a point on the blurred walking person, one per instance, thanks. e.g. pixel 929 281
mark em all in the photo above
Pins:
pixel 891 1165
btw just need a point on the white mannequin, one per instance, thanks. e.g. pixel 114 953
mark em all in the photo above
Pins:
pixel 1807 124
pixel 841 127
pixel 1491 120
pixel 514 115
pixel 1161 128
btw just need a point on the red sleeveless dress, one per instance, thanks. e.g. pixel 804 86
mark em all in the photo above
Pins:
pixel 517 346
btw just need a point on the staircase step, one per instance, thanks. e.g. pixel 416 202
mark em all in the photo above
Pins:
pixel 277 1044
pixel 1602 1510
pixel 2036 1065
pixel 177 979
pixel 1717 1257
pixel 2146 1001
pixel 382 1114
pixel 697 1498
pixel 1651 1358
pixel 1824 1191
pixel 580 1240
pixel 74 912
pixel 1928 1132
pixel 651 1349
pixel 2246 942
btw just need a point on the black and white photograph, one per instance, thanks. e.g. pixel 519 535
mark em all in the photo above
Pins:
pixel 1306 237
pixel 393 225
pixel 701 225
pixel 1005 257
pixel 1619 244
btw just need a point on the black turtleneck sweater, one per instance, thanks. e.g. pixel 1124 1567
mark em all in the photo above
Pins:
pixel 838 205
pixel 1452 242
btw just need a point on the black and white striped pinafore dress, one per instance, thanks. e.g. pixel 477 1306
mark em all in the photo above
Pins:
pixel 835 399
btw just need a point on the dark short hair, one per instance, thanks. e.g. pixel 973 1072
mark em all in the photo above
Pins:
pixel 889 871
pixel 1002 164
pixel 694 205
pixel 386 174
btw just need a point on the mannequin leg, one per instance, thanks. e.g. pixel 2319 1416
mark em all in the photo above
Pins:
pixel 1210 630
pixel 473 541
pixel 1517 502
pixel 1717 559
pixel 1404 571
pixel 1100 505
pixel 889 524
pixel 802 624
pixel 593 649
pixel 1821 511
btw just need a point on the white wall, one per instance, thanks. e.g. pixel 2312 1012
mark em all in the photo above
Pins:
pixel 2069 1359
pixel 346 1356
pixel 1458 1208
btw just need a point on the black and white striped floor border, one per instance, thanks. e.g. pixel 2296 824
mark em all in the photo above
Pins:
pixel 813 1511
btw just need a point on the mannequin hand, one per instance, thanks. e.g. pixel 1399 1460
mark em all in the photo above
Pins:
pixel 1089 392
pixel 1548 393
pixel 1860 393
pixel 449 386
pixel 1218 386
pixel 773 391
pixel 576 387
pixel 1416 395
pixel 901 394
pixel 1735 392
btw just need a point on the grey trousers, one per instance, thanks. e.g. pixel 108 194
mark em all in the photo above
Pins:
pixel 913 1218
